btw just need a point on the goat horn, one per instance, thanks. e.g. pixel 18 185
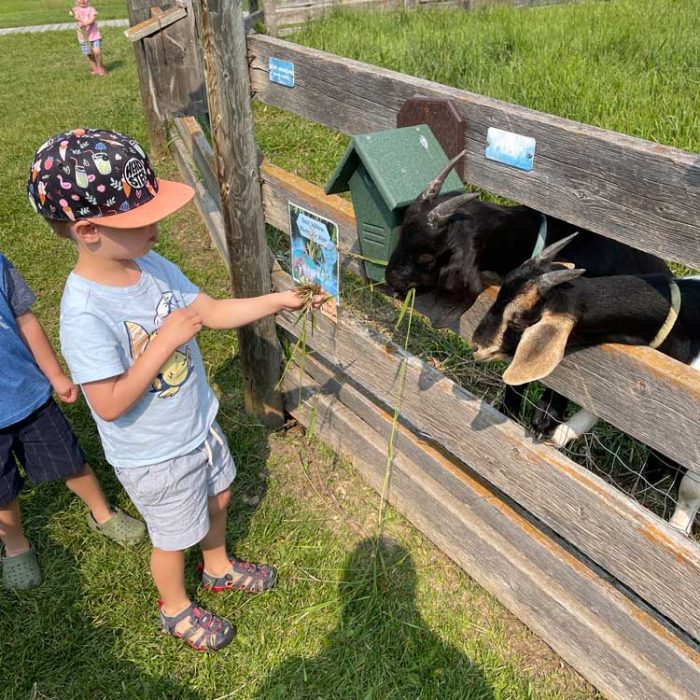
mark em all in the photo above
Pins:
pixel 552 279
pixel 439 214
pixel 434 186
pixel 551 251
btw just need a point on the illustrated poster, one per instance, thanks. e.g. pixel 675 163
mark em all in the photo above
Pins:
pixel 315 257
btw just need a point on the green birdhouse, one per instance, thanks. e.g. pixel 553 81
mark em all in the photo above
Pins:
pixel 385 171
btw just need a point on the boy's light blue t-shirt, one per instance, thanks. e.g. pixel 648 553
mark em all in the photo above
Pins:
pixel 23 386
pixel 105 329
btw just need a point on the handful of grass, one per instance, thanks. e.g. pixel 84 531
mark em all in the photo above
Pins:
pixel 307 291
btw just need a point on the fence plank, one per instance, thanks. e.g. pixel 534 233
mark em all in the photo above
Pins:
pixel 156 119
pixel 640 193
pixel 636 547
pixel 228 90
pixel 610 639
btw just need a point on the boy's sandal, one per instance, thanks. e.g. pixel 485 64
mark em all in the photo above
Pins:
pixel 22 571
pixel 120 528
pixel 207 632
pixel 242 576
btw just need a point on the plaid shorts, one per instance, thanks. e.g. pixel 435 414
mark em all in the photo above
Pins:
pixel 86 47
pixel 44 444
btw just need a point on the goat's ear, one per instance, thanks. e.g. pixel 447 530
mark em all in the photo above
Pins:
pixel 540 349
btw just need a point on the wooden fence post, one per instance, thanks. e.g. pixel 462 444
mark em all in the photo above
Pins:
pixel 231 115
pixel 156 120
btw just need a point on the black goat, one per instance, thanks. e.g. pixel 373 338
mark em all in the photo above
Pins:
pixel 544 308
pixel 447 242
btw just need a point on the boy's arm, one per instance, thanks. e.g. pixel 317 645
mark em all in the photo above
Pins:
pixel 114 396
pixel 35 339
pixel 234 313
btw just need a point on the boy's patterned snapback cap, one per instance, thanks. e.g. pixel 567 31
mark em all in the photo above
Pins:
pixel 103 177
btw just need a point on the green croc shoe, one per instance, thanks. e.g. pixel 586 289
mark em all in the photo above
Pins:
pixel 120 528
pixel 22 571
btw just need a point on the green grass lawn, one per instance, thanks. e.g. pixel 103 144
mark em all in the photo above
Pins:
pixel 421 629
pixel 26 13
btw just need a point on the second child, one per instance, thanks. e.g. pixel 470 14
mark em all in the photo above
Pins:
pixel 129 318
pixel 89 36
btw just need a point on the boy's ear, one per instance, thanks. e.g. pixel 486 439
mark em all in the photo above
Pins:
pixel 85 232
pixel 540 349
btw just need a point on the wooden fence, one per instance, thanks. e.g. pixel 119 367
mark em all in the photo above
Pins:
pixel 282 17
pixel 610 586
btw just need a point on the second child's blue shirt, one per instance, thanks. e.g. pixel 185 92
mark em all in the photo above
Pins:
pixel 23 386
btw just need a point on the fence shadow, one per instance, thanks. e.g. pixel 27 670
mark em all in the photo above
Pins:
pixel 381 646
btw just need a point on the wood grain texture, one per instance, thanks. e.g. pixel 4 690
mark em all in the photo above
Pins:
pixel 175 61
pixel 156 119
pixel 235 155
pixel 638 192
pixel 611 639
pixel 636 547
pixel 155 23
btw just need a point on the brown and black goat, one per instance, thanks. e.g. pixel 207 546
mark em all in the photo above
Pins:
pixel 544 308
pixel 447 242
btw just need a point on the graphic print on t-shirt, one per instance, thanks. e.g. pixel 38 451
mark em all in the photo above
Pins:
pixel 178 367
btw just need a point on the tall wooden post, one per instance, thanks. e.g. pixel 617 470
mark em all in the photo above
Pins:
pixel 233 136
pixel 156 120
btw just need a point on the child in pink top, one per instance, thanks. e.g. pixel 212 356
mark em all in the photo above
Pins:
pixel 89 35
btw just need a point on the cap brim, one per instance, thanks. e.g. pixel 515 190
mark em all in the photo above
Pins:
pixel 170 197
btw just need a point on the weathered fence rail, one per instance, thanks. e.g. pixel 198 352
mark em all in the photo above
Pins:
pixel 610 586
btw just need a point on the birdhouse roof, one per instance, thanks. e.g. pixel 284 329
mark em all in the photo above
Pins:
pixel 401 163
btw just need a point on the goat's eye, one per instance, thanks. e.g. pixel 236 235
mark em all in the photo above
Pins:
pixel 425 260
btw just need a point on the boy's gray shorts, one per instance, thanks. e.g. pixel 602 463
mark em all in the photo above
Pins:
pixel 172 496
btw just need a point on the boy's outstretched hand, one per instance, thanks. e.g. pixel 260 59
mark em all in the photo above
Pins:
pixel 291 301
pixel 65 389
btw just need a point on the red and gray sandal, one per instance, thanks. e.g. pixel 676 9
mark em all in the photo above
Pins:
pixel 242 576
pixel 206 631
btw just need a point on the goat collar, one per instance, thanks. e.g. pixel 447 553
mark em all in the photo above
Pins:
pixel 672 317
pixel 541 238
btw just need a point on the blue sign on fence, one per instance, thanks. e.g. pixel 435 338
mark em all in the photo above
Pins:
pixel 281 72
pixel 511 149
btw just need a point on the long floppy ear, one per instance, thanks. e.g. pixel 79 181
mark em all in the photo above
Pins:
pixel 540 349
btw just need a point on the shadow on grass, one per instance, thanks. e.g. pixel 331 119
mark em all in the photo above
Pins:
pixel 382 647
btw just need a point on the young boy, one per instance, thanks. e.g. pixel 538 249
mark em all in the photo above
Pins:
pixel 89 36
pixel 34 432
pixel 128 322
